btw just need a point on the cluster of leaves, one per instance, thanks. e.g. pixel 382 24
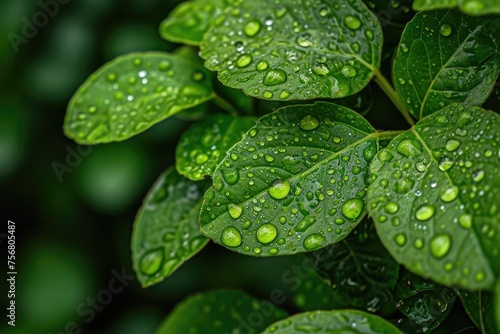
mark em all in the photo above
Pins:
pixel 409 218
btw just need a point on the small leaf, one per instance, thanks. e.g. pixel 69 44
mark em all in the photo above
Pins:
pixel 221 311
pixel 189 21
pixel 434 197
pixel 287 50
pixel 359 269
pixel 425 303
pixel 166 230
pixel 204 144
pixel 339 321
pixel 295 183
pixel 481 309
pixel 470 7
pixel 133 92
pixel 445 57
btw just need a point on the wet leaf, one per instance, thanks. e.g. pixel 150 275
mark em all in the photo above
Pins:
pixel 338 321
pixel 287 50
pixel 481 309
pixel 190 20
pixel 434 197
pixel 425 303
pixel 205 143
pixel 221 311
pixel 133 92
pixel 166 230
pixel 470 7
pixel 358 269
pixel 295 183
pixel 444 57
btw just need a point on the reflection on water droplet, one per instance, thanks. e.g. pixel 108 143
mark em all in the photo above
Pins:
pixel 231 237
pixel 352 208
pixel 391 207
pixel 445 30
pixel 252 28
pixel 262 65
pixel 400 239
pixel 418 243
pixel 320 69
pixel 111 77
pixel 465 220
pixel 309 122
pixel 352 22
pixel 151 262
pixel 478 175
pixel 348 71
pixel 452 144
pixel 234 210
pixel 280 189
pixel 304 40
pixel 201 158
pixel 243 60
pixel 313 241
pixel 266 233
pixel 440 245
pixel 275 77
pixel 230 175
pixel 449 194
pixel 445 164
pixel 410 148
pixel 425 212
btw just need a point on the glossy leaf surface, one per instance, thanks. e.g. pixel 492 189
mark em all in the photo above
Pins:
pixel 339 321
pixel 221 311
pixel 295 183
pixel 133 92
pixel 166 230
pixel 470 7
pixel 434 197
pixel 287 50
pixel 204 144
pixel 358 269
pixel 481 309
pixel 444 57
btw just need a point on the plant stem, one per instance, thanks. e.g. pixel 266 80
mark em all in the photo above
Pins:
pixel 225 105
pixel 384 135
pixel 391 93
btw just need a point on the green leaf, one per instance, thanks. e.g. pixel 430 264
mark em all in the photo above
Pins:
pixel 287 50
pixel 497 304
pixel 481 309
pixel 166 230
pixel 295 183
pixel 204 144
pixel 445 57
pixel 339 321
pixel 133 92
pixel 190 20
pixel 221 311
pixel 434 197
pixel 470 7
pixel 359 269
pixel 425 303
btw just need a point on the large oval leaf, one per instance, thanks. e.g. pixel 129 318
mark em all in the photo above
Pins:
pixel 166 230
pixel 295 183
pixel 204 144
pixel 221 311
pixel 480 308
pixel 434 197
pixel 339 321
pixel 470 7
pixel 133 92
pixel 284 50
pixel 445 57
pixel 358 269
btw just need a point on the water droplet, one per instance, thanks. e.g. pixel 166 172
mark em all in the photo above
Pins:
pixel 92 109
pixel 425 212
pixel 440 245
pixel 274 77
pixel 452 144
pixel 111 77
pixel 391 207
pixel 352 22
pixel 445 164
pixel 262 65
pixel 410 148
pixel 478 175
pixel 252 28
pixel 309 122
pixel 348 71
pixel 400 239
pixel 231 237
pixel 404 185
pixel 304 40
pixel 151 262
pixel 465 220
pixel 284 94
pixel 418 243
pixel 313 241
pixel 266 233
pixel 230 175
pixel 449 194
pixel 244 60
pixel 201 158
pixel 164 66
pixel 320 69
pixel 280 189
pixel 234 210
pixel 385 156
pixel 445 30
pixel 267 94
pixel 352 208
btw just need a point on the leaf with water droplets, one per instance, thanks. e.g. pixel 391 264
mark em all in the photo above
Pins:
pixel 295 183
pixel 132 93
pixel 204 144
pixel 166 230
pixel 470 7
pixel 359 269
pixel 190 20
pixel 434 197
pixel 288 50
pixel 481 309
pixel 221 311
pixel 338 321
pixel 445 57
pixel 425 304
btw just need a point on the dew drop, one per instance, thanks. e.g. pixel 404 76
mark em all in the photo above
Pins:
pixel 465 220
pixel 262 65
pixel 284 94
pixel 445 164
pixel 313 241
pixel 230 175
pixel 320 69
pixel 164 66
pixel 352 22
pixel 309 122
pixel 274 77
pixel 440 245
pixel 425 212
pixel 252 28
pixel 266 233
pixel 304 40
pixel 151 262
pixel 478 175
pixel 231 237
pixel 452 145
pixel 234 210
pixel 352 208
pixel 391 207
pixel 445 30
pixel 418 243
pixel 111 77
pixel 400 239
pixel 348 71
pixel 410 148
pixel 244 60
pixel 280 189
pixel 201 158
pixel 449 194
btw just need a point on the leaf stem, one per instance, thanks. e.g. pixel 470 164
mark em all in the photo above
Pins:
pixel 391 93
pixel 385 135
pixel 225 105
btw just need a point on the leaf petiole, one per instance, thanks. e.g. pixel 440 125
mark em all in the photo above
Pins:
pixel 225 105
pixel 388 135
